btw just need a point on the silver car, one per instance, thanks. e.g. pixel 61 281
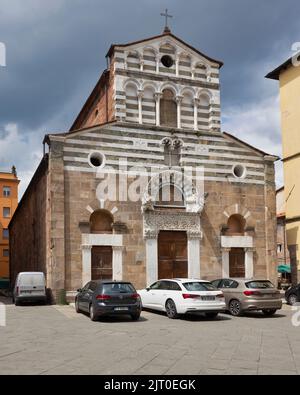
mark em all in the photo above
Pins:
pixel 249 295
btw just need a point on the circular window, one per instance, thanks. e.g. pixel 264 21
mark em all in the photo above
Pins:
pixel 167 61
pixel 239 171
pixel 96 159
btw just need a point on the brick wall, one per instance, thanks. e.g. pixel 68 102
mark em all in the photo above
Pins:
pixel 27 229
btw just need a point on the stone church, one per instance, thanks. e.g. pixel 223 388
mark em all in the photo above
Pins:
pixel 145 185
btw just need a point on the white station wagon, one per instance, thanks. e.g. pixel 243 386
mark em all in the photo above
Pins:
pixel 182 295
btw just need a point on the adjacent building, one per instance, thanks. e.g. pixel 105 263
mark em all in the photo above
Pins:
pixel 8 203
pixel 283 255
pixel 288 75
pixel 145 185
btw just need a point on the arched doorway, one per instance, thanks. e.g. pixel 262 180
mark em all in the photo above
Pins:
pixel 168 109
pixel 172 255
pixel 236 227
pixel 101 223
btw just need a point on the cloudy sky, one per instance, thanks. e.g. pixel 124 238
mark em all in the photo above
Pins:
pixel 55 51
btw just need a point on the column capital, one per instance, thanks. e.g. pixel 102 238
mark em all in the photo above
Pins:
pixel 196 101
pixel 194 235
pixel 225 249
pixel 86 247
pixel 179 99
pixel 150 234
pixel 118 248
pixel 249 249
pixel 157 95
pixel 140 94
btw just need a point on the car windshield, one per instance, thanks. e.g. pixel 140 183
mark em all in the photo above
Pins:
pixel 118 288
pixel 259 284
pixel 199 286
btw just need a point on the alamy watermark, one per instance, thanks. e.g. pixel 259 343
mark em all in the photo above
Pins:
pixel 296 57
pixel 296 315
pixel 2 55
pixel 2 314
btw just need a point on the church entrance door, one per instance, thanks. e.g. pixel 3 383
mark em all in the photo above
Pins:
pixel 102 263
pixel 237 263
pixel 172 255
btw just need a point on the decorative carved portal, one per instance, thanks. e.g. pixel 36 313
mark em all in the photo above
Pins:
pixel 102 263
pixel 172 255
pixel 237 263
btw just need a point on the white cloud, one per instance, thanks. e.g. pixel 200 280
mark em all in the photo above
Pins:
pixel 23 152
pixel 259 125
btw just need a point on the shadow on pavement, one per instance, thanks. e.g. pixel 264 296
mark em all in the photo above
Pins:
pixel 192 316
pixel 117 319
pixel 6 300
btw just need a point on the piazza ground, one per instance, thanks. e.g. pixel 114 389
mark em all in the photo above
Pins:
pixel 56 340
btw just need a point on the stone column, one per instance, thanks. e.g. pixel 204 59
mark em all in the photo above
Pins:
pixel 225 262
pixel 249 268
pixel 117 263
pixel 194 262
pixel 196 103
pixel 157 112
pixel 179 100
pixel 56 216
pixel 157 63
pixel 140 102
pixel 142 64
pixel 151 258
pixel 177 66
pixel 86 263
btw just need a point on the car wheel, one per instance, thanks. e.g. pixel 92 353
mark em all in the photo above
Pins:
pixel 269 312
pixel 17 302
pixel 235 308
pixel 171 309
pixel 136 316
pixel 292 299
pixel 211 315
pixel 93 317
pixel 77 309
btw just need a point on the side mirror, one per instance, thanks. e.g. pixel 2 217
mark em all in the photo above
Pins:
pixel 148 289
pixel 79 290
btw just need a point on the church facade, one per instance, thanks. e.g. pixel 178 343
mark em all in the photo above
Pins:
pixel 145 185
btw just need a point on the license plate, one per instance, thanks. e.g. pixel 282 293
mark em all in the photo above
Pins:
pixel 121 308
pixel 208 298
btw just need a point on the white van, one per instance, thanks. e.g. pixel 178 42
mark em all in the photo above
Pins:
pixel 31 287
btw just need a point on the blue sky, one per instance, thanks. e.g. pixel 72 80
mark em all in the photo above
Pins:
pixel 56 52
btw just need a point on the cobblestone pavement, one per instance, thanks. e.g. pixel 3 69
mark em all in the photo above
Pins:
pixel 56 340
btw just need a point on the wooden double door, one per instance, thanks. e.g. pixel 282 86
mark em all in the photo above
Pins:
pixel 237 263
pixel 102 263
pixel 172 255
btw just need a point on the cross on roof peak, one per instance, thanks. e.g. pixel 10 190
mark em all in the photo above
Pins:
pixel 166 15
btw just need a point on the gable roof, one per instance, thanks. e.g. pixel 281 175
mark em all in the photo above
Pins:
pixel 250 146
pixel 103 78
pixel 165 34
pixel 274 74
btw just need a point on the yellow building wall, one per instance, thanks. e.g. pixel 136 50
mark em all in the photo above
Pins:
pixel 6 180
pixel 290 125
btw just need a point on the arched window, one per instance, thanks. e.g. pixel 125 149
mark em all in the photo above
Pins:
pixel 185 65
pixel 168 109
pixel 132 107
pixel 101 222
pixel 133 61
pixel 236 225
pixel 148 107
pixel 204 112
pixel 187 111
pixel 170 196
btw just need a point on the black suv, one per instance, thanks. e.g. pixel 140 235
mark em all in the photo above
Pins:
pixel 292 295
pixel 107 297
